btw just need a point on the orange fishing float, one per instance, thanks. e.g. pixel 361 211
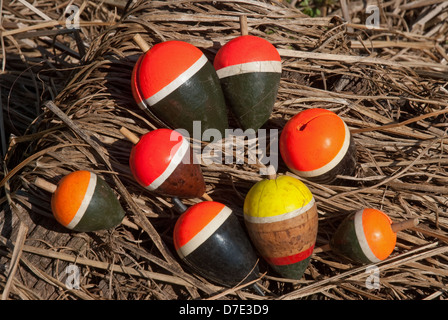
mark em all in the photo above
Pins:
pixel 83 201
pixel 316 144
pixel 209 238
pixel 367 236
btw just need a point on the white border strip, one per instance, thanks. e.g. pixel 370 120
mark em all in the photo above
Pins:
pixel 255 66
pixel 176 159
pixel 205 233
pixel 143 105
pixel 359 230
pixel 281 217
pixel 176 83
pixel 333 163
pixel 85 202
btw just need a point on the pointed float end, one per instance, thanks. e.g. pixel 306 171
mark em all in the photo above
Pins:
pixel 45 185
pixel 257 289
pixel 129 135
pixel 243 25
pixel 271 172
pixel 141 43
pixel 207 197
pixel 407 224
pixel 179 205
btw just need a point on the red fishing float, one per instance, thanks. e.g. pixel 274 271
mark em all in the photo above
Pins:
pixel 162 161
pixel 249 69
pixel 209 238
pixel 316 144
pixel 367 236
pixel 175 82
pixel 82 201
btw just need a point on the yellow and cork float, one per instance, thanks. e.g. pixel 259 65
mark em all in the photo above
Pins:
pixel 281 218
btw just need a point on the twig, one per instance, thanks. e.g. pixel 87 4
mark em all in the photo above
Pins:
pixel 359 59
pixel 106 266
pixel 16 254
pixel 33 157
pixel 385 181
pixel 403 123
pixel 346 14
pixel 419 4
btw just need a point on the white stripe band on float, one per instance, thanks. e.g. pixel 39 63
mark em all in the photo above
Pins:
pixel 175 161
pixel 143 105
pixel 85 202
pixel 281 217
pixel 359 230
pixel 205 233
pixel 333 163
pixel 176 83
pixel 255 66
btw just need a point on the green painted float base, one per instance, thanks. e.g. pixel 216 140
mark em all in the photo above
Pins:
pixel 200 98
pixel 345 242
pixel 104 211
pixel 251 97
pixel 292 271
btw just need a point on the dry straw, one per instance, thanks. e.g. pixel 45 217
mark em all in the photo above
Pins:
pixel 389 84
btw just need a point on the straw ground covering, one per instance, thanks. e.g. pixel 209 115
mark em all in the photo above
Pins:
pixel 389 84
